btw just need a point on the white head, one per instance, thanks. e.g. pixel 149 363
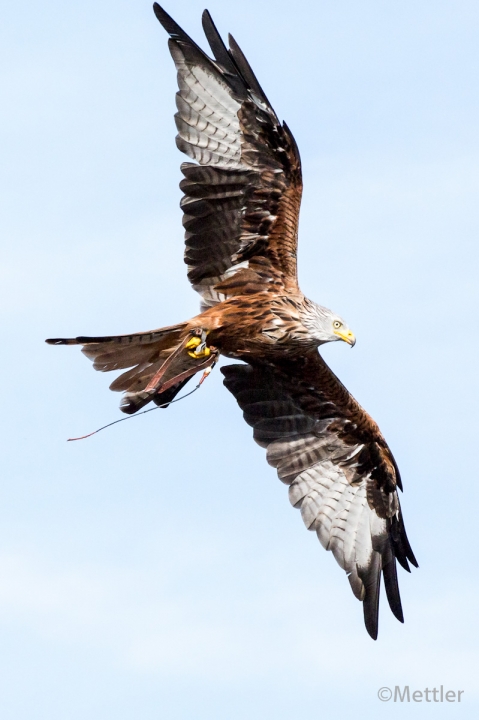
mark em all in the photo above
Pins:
pixel 326 326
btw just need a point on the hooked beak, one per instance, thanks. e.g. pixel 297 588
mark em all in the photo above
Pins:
pixel 347 336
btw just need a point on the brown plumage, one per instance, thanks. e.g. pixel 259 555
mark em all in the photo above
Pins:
pixel 241 208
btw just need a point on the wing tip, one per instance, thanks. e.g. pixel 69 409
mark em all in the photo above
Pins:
pixel 174 30
pixel 392 589
pixel 400 544
pixel 371 614
pixel 163 17
pixel 372 584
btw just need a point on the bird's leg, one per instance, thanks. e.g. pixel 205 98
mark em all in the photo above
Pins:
pixel 197 347
pixel 198 341
pixel 208 364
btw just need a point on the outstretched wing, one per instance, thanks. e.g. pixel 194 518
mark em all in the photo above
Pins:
pixel 241 203
pixel 340 471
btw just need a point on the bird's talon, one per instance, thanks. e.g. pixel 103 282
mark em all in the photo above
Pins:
pixel 200 353
pixel 193 343
pixel 197 348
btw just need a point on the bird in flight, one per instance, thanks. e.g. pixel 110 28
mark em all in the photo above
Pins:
pixel 241 201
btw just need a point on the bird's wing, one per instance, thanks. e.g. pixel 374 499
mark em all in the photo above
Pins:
pixel 340 471
pixel 241 202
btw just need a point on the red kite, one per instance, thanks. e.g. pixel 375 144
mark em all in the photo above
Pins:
pixel 241 206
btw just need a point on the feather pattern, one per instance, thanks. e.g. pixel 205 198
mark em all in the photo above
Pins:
pixel 145 354
pixel 337 465
pixel 241 202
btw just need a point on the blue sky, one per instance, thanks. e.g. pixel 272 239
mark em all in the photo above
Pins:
pixel 157 570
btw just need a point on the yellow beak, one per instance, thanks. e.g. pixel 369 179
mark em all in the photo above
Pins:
pixel 347 336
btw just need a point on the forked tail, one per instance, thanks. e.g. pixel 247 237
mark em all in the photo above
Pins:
pixel 161 362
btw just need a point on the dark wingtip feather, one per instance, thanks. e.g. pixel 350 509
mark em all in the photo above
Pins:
pixel 400 543
pixel 173 29
pixel 403 563
pixel 371 601
pixel 224 64
pixel 409 553
pixel 371 622
pixel 392 589
pixel 246 71
pixel 396 470
pixel 168 23
pixel 216 44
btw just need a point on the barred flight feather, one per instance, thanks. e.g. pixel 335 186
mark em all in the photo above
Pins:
pixel 299 412
pixel 226 123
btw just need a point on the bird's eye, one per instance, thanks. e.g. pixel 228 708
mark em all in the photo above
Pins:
pixel 337 324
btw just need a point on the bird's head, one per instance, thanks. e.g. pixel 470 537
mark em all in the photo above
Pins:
pixel 341 331
pixel 328 327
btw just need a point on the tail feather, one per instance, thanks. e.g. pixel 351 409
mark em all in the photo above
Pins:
pixel 163 398
pixel 155 359
pixel 169 378
pixel 107 342
pixel 138 377
pixel 134 401
pixel 159 363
